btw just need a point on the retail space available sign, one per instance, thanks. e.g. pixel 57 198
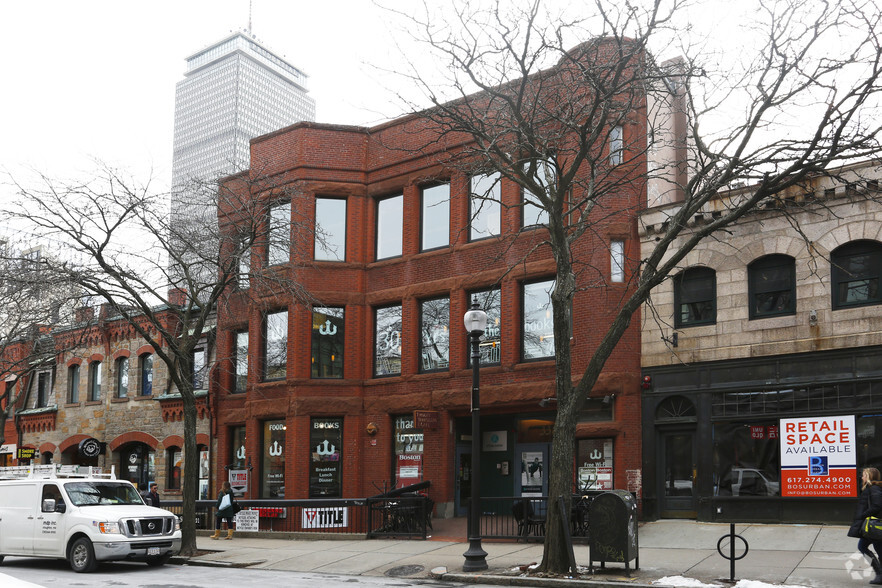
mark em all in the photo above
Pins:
pixel 325 518
pixel 818 457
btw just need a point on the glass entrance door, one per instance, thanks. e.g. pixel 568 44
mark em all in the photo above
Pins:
pixel 678 459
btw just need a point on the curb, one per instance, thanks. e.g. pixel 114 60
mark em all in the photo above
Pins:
pixel 522 580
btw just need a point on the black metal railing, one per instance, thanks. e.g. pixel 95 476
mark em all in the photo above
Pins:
pixel 523 518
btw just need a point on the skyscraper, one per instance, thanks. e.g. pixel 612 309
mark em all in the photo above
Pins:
pixel 232 91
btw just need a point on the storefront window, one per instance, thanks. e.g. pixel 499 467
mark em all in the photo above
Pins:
pixel 595 464
pixel 869 443
pixel 747 459
pixel 325 468
pixel 237 447
pixel 327 342
pixel 272 483
pixel 408 452
pixel 387 341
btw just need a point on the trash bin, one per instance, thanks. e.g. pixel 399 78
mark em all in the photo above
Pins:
pixel 612 520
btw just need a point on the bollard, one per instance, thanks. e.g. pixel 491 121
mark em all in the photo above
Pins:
pixel 731 557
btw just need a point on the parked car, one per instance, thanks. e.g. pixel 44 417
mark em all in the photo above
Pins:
pixel 748 482
pixel 82 515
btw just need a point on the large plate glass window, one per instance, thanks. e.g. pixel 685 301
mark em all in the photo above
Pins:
pixel 275 353
pixel 533 213
pixel 272 483
pixel 330 229
pixel 387 341
pixel 435 334
pixel 855 269
pixel 490 347
pixel 279 249
pixel 240 360
pixel 485 208
pixel 325 467
pixel 327 342
pixel 390 224
pixel 538 326
pixel 435 216
pixel 747 458
pixel 695 292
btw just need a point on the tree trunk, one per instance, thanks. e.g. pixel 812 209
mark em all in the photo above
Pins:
pixel 191 472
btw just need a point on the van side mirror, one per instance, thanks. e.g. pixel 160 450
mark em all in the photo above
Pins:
pixel 61 507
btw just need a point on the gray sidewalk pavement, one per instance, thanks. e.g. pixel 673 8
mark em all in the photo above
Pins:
pixel 818 556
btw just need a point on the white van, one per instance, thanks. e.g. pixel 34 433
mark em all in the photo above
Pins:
pixel 83 515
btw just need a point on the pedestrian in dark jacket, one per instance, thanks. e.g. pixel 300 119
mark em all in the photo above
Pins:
pixel 869 505
pixel 154 494
pixel 225 510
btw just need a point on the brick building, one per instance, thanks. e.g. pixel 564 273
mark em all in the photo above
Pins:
pixel 769 323
pixel 369 384
pixel 103 398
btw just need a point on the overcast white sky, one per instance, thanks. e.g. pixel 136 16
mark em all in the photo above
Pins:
pixel 96 79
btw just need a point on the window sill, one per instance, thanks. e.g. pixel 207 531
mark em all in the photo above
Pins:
pixel 534 363
pixel 123 399
pixel 94 403
pixel 139 398
pixel 770 322
pixel 72 405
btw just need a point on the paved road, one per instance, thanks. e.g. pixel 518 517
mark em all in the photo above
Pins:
pixel 57 574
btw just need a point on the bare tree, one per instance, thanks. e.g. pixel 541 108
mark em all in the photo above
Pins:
pixel 166 275
pixel 31 301
pixel 521 98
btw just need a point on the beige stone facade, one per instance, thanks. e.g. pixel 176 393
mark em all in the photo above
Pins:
pixel 834 212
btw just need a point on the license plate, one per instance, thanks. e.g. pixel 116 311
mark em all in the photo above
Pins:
pixel 152 551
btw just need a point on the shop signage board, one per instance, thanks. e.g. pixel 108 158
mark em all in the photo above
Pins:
pixel 818 456
pixel 495 440
pixel 426 419
pixel 239 480
pixel 325 518
pixel 248 520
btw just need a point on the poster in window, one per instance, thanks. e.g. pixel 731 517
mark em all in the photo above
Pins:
pixel 595 464
pixel 325 468
pixel 818 456
pixel 532 470
pixel 273 458
pixel 408 452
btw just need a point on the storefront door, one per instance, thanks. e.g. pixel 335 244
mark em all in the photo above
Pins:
pixel 678 461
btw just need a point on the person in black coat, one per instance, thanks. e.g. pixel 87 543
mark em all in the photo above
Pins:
pixel 154 494
pixel 869 505
pixel 225 511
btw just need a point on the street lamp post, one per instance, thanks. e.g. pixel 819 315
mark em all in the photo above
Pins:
pixel 475 558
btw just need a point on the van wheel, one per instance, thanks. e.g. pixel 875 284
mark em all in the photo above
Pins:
pixel 159 560
pixel 82 556
pixel 1 559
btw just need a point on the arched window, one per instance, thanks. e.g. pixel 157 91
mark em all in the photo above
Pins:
pixel 174 461
pixel 73 384
pixel 146 375
pixel 772 286
pixel 855 270
pixel 94 381
pixel 675 408
pixel 122 377
pixel 695 297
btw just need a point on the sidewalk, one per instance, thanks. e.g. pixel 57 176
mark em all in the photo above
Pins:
pixel 819 556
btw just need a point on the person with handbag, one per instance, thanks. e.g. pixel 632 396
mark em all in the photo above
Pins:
pixel 226 509
pixel 869 505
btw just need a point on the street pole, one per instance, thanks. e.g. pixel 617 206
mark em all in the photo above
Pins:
pixel 475 557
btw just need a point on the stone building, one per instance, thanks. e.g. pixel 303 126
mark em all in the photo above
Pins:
pixel 104 399
pixel 780 319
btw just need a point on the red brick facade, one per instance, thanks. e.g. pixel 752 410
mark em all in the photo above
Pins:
pixel 362 165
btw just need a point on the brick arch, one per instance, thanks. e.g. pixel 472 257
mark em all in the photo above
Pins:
pixel 178 441
pixel 132 437
pixel 96 357
pixel 145 350
pixel 122 353
pixel 173 441
pixel 74 361
pixel 71 441
pixel 44 448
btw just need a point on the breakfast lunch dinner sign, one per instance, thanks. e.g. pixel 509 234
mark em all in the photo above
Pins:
pixel 818 457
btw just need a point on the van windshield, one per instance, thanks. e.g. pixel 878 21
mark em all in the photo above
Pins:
pixel 95 493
